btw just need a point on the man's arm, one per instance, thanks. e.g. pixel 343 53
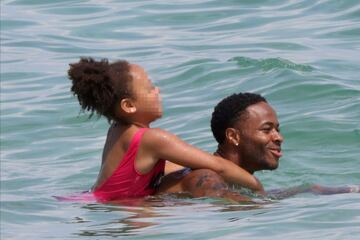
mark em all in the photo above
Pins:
pixel 200 183
pixel 315 189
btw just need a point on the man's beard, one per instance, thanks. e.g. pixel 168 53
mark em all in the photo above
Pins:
pixel 260 161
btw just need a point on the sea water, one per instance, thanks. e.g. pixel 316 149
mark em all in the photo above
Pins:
pixel 302 55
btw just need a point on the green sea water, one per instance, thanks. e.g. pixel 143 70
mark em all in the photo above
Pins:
pixel 303 56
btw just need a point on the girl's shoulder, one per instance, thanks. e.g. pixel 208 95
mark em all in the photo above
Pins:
pixel 155 134
pixel 156 137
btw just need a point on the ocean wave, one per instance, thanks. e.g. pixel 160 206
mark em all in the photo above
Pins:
pixel 271 63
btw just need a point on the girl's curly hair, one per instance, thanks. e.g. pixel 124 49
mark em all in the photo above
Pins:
pixel 100 85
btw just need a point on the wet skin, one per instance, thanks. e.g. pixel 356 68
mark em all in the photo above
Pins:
pixel 254 143
pixel 259 139
pixel 138 111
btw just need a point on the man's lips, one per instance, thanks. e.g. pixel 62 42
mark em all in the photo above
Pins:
pixel 276 152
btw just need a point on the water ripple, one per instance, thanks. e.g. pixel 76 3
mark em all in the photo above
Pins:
pixel 301 55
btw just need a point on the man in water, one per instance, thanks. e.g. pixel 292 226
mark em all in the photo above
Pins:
pixel 247 130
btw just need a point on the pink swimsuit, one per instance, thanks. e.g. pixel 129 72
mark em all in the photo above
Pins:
pixel 126 181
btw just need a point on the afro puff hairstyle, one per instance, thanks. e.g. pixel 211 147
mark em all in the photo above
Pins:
pixel 100 85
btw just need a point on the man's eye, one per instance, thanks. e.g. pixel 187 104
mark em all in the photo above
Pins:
pixel 266 130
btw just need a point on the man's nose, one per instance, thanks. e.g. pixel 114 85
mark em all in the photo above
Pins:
pixel 277 137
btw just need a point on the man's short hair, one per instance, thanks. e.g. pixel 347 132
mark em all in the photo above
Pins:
pixel 229 110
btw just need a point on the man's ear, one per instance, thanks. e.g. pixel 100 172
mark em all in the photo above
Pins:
pixel 232 136
pixel 127 106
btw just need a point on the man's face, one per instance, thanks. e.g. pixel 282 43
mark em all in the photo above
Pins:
pixel 260 139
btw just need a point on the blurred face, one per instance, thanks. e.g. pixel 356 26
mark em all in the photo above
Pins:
pixel 260 139
pixel 146 96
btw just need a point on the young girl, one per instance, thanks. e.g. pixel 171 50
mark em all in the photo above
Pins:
pixel 134 155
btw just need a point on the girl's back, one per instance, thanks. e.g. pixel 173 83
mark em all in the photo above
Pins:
pixel 119 175
pixel 117 143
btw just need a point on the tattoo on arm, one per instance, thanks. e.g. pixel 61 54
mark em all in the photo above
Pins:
pixel 201 180
pixel 213 185
pixel 219 186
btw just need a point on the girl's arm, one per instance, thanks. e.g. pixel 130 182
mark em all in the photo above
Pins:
pixel 171 167
pixel 160 144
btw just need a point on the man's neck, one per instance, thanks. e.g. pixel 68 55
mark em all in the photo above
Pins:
pixel 230 153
